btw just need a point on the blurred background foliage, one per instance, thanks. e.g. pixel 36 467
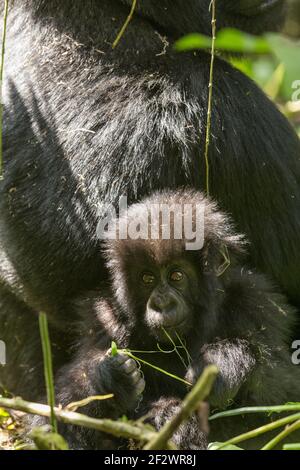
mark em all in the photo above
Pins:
pixel 278 72
pixel 293 23
pixel 273 61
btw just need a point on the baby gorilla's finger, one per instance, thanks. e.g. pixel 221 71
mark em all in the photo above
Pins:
pixel 140 387
pixel 129 365
pixel 121 358
pixel 136 376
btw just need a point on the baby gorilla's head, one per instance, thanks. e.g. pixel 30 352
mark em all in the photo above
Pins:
pixel 167 270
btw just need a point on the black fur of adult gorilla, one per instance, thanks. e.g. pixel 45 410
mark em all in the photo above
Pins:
pixel 85 124
pixel 158 289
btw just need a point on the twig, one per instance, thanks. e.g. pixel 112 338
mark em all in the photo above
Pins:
pixel 210 94
pixel 1 83
pixel 191 402
pixel 48 370
pixel 116 428
pixel 137 431
pixel 86 401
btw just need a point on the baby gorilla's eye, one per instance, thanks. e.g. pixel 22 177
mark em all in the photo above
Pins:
pixel 176 276
pixel 148 279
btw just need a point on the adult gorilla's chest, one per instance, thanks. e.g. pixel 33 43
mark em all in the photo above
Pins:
pixel 85 125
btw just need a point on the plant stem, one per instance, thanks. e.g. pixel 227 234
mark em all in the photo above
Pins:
pixel 291 446
pixel 286 432
pixel 261 430
pixel 255 409
pixel 48 370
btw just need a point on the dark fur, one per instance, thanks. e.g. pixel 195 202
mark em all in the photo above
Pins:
pixel 146 107
pixel 235 320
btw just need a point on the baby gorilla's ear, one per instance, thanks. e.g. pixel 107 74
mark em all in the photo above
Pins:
pixel 223 247
pixel 221 258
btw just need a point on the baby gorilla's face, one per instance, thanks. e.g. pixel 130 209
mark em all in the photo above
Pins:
pixel 168 293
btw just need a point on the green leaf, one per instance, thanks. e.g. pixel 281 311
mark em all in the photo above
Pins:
pixel 114 349
pixel 3 413
pixel 229 39
pixel 237 41
pixel 124 419
pixel 193 41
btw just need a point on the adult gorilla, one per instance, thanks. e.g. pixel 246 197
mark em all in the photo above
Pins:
pixel 85 124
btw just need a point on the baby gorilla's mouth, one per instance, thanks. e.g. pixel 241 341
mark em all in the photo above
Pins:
pixel 176 325
pixel 169 334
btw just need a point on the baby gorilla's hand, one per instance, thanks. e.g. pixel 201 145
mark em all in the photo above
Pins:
pixel 121 376
pixel 129 368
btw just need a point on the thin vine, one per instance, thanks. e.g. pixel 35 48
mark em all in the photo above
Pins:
pixel 1 82
pixel 175 348
pixel 146 363
pixel 210 94
pixel 114 350
pixel 125 25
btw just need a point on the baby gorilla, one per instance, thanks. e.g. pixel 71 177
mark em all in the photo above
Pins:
pixel 161 293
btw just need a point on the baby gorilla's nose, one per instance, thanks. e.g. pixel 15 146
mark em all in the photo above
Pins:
pixel 162 303
pixel 164 311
